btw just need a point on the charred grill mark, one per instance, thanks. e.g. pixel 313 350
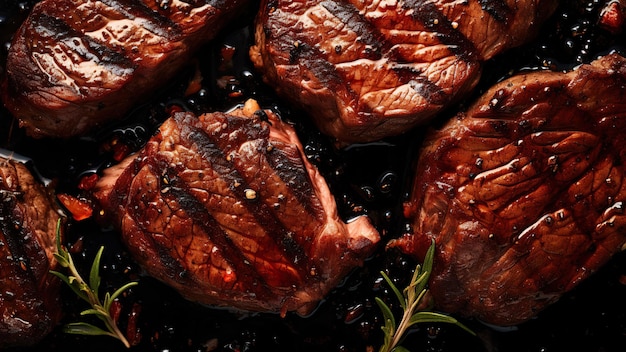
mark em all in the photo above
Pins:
pixel 350 16
pixel 497 9
pixel 176 193
pixel 59 31
pixel 368 34
pixel 296 51
pixel 165 4
pixel 264 216
pixel 149 19
pixel 422 85
pixel 15 235
pixel 294 177
pixel 316 63
pixel 232 254
pixel 433 19
pixel 219 4
pixel 172 267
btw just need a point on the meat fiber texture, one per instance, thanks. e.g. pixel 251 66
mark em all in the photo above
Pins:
pixel 524 193
pixel 29 295
pixel 227 210
pixel 365 70
pixel 75 65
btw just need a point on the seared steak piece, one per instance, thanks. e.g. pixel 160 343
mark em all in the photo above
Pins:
pixel 524 193
pixel 365 70
pixel 29 294
pixel 75 65
pixel 227 210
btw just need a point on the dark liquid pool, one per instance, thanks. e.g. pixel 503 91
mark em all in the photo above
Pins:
pixel 370 178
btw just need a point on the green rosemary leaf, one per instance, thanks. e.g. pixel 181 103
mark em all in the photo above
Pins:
pixel 89 293
pixel 94 273
pixel 410 300
pixel 387 314
pixel 400 349
pixel 60 276
pixel 433 317
pixel 395 290
pixel 117 293
pixel 62 260
pixel 84 329
pixel 97 312
pixel 429 259
pixel 426 269
pixel 70 281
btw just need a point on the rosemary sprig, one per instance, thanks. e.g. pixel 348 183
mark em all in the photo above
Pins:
pixel 410 299
pixel 89 293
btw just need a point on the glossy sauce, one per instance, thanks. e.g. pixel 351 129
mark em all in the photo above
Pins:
pixel 369 178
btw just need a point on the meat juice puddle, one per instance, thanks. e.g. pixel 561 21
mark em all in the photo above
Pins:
pixel 348 320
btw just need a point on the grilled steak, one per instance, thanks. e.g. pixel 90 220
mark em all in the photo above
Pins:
pixel 227 210
pixel 29 295
pixel 524 193
pixel 365 70
pixel 75 65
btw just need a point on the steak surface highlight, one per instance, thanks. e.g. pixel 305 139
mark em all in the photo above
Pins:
pixel 75 65
pixel 29 295
pixel 524 193
pixel 364 70
pixel 228 211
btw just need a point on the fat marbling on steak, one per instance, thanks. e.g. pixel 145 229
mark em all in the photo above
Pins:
pixel 365 70
pixel 29 295
pixel 524 193
pixel 75 65
pixel 227 210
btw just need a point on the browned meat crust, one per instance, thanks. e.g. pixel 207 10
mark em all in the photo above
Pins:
pixel 29 294
pixel 365 70
pixel 227 210
pixel 75 65
pixel 524 193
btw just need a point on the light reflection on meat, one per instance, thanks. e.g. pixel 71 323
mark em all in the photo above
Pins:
pixel 524 193
pixel 227 210
pixel 365 70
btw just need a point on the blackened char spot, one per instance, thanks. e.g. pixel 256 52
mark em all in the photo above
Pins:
pixel 262 115
pixel 497 9
pixel 15 236
pixel 296 51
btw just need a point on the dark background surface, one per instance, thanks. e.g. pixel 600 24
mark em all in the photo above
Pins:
pixel 370 178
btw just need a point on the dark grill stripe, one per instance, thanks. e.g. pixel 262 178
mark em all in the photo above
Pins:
pixel 120 198
pixel 195 210
pixel 296 178
pixel 149 19
pixel 209 149
pixel 326 73
pixel 422 85
pixel 59 31
pixel 245 271
pixel 427 13
pixel 366 32
pixel 498 9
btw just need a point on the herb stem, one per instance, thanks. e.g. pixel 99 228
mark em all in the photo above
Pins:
pixel 89 293
pixel 410 299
